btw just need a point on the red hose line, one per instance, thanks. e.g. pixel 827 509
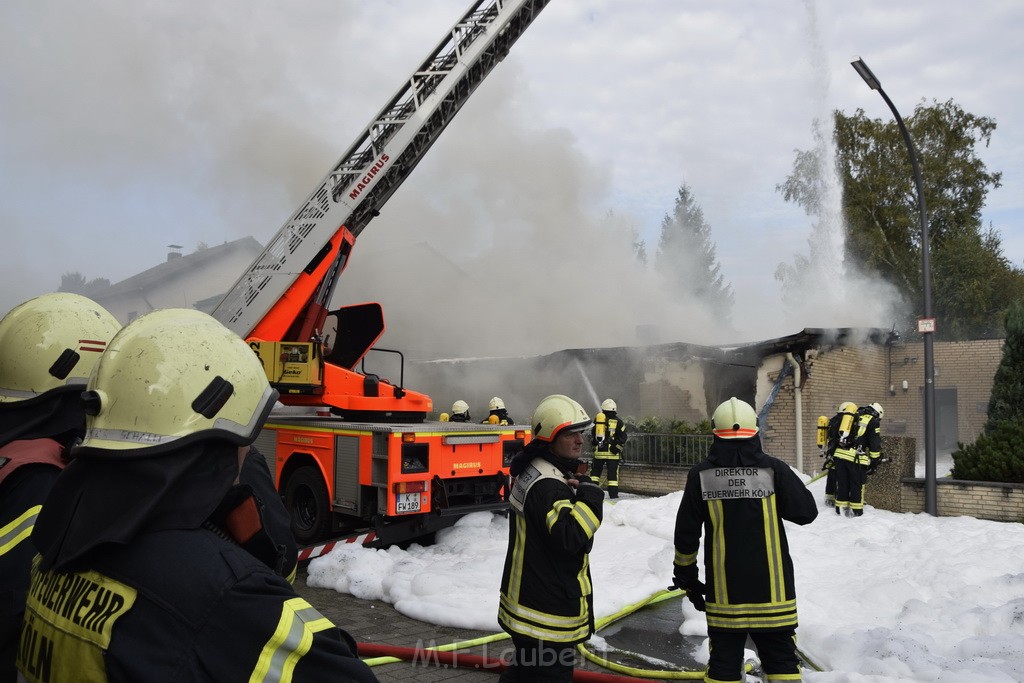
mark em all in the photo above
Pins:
pixel 456 659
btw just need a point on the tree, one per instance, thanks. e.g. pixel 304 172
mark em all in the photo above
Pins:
pixel 997 455
pixel 1006 404
pixel 686 256
pixel 883 236
pixel 75 283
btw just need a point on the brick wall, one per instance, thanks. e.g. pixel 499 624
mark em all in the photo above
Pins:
pixel 893 487
pixel 864 374
pixel 835 375
pixel 954 497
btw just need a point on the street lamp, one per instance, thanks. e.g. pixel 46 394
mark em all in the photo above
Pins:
pixel 926 324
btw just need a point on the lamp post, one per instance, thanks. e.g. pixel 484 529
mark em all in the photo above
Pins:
pixel 926 324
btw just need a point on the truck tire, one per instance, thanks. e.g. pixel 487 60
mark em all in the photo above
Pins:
pixel 305 497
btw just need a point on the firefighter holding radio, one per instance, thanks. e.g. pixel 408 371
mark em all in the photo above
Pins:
pixel 546 603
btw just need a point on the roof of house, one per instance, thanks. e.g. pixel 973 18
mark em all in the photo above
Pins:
pixel 175 267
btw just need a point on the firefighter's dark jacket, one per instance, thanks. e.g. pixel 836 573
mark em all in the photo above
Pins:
pixel 866 443
pixel 27 471
pixel 546 591
pixel 615 437
pixel 144 574
pixel 35 434
pixel 739 495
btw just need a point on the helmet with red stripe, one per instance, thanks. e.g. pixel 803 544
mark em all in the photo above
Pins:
pixel 734 419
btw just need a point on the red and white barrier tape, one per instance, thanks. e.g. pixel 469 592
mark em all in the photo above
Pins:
pixel 306 554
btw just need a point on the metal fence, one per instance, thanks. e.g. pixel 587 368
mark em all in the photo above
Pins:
pixel 666 449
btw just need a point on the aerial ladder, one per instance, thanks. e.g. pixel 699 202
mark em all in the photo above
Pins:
pixel 362 453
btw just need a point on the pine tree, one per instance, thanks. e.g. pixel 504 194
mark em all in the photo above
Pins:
pixel 996 455
pixel 686 256
pixel 1007 401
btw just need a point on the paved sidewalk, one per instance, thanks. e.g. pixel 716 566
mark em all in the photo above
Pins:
pixel 373 621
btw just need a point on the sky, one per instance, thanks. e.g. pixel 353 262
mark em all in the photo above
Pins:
pixel 129 126
pixel 882 598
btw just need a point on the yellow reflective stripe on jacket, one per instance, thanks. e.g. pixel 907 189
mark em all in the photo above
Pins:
pixel 718 550
pixel 773 550
pixel 583 578
pixel 291 640
pixel 586 518
pixel 555 510
pixel 685 560
pixel 515 579
pixel 544 626
pixel 581 512
pixel 746 616
pixel 18 530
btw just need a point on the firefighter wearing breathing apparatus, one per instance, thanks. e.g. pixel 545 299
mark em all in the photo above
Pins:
pixel 839 430
pixel 460 413
pixel 740 496
pixel 607 439
pixel 155 559
pixel 497 415
pixel 856 458
pixel 48 347
pixel 546 601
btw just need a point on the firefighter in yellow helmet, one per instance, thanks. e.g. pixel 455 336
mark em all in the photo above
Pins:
pixel 48 347
pixel 546 602
pixel 497 415
pixel 607 438
pixel 739 496
pixel 856 457
pixel 841 429
pixel 150 540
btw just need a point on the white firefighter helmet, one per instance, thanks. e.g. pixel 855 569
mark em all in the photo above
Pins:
pixel 174 375
pixel 877 407
pixel 460 408
pixel 496 404
pixel 734 419
pixel 847 407
pixel 557 413
pixel 608 405
pixel 51 342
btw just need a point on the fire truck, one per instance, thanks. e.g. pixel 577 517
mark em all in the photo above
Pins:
pixel 351 449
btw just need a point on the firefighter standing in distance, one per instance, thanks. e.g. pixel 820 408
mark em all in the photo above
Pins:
pixel 740 496
pixel 460 412
pixel 497 414
pixel 856 460
pixel 546 601
pixel 149 540
pixel 607 438
pixel 48 347
pixel 841 431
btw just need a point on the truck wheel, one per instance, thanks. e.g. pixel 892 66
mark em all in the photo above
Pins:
pixel 305 497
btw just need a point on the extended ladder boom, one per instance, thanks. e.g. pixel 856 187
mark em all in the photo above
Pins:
pixel 377 163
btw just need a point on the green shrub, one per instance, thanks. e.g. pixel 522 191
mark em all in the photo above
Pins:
pixel 659 425
pixel 997 455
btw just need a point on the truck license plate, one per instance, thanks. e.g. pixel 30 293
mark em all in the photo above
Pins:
pixel 407 502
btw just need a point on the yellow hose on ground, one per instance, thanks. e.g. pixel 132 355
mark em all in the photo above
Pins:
pixel 655 598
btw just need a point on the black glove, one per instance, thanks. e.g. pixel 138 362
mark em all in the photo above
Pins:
pixel 589 492
pixel 687 581
pixel 695 592
pixel 873 465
